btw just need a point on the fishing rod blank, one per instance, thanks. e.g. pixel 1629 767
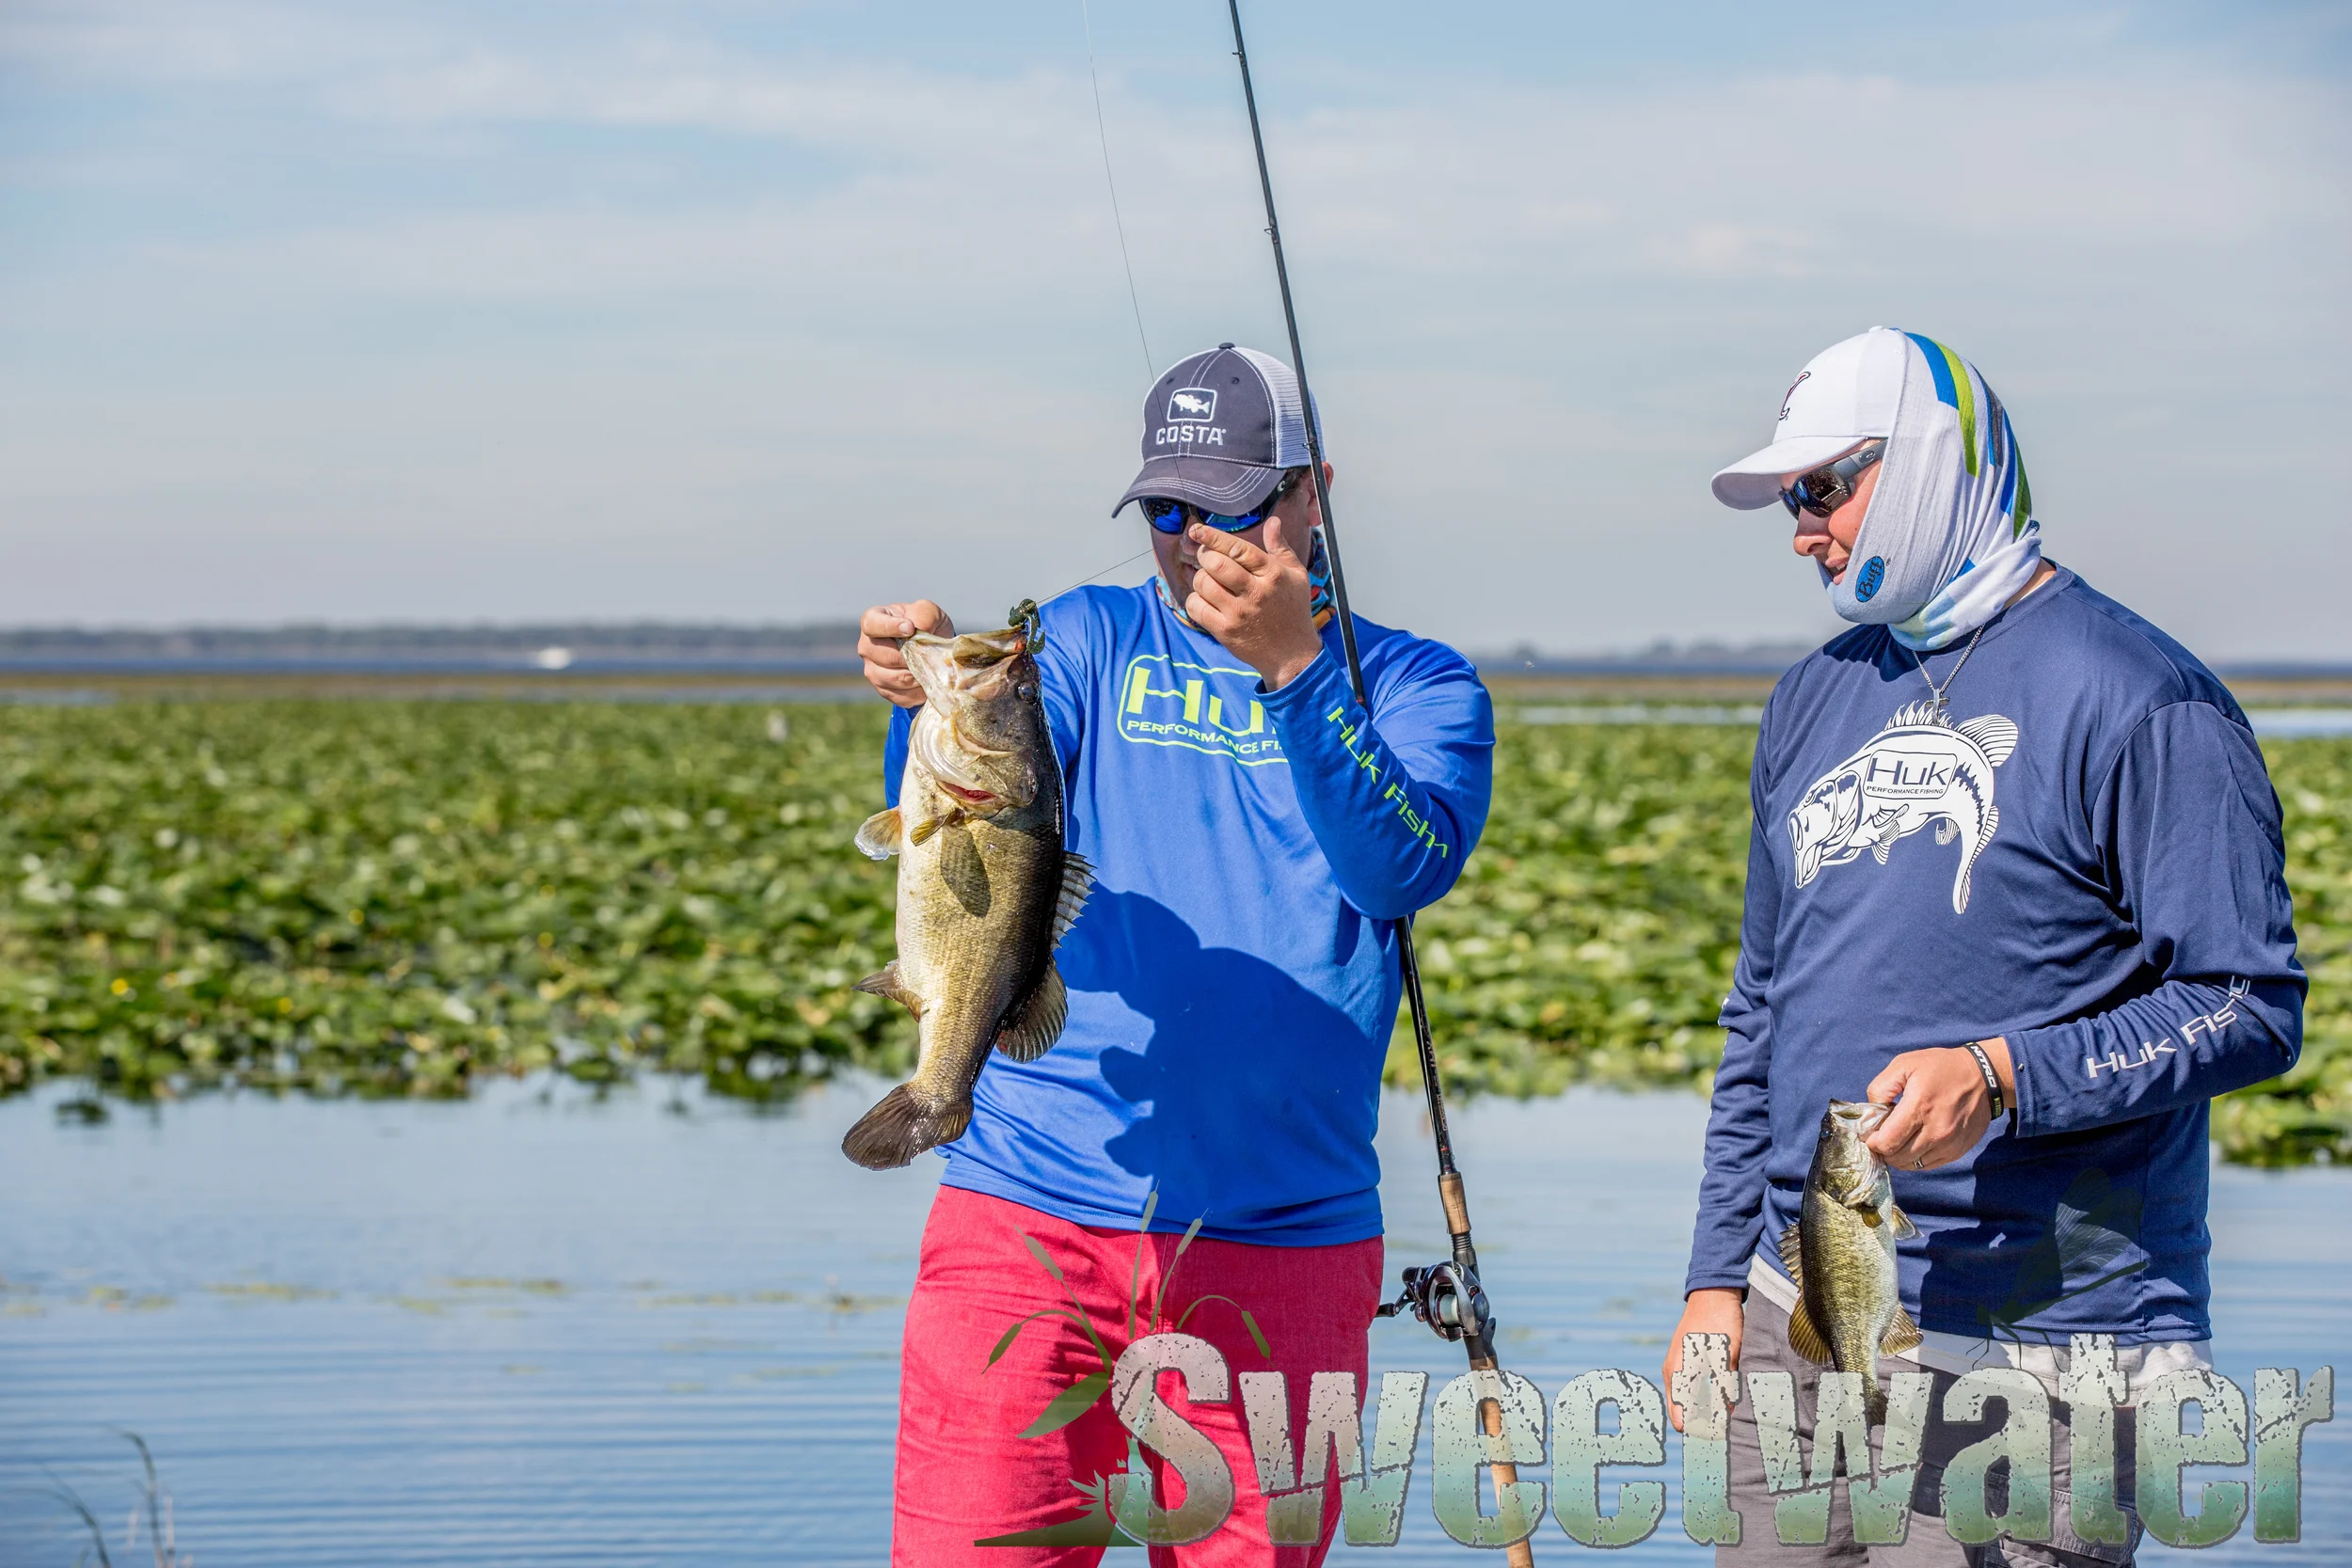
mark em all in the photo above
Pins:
pixel 1446 1296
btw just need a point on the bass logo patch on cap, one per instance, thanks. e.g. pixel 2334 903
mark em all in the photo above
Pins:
pixel 1865 586
pixel 1192 405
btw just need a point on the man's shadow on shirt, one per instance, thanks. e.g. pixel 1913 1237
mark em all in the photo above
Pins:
pixel 2040 1248
pixel 1229 1065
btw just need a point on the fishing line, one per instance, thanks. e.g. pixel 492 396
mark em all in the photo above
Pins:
pixel 1446 1296
pixel 1103 135
pixel 1103 573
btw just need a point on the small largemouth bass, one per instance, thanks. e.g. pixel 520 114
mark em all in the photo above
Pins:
pixel 1841 1253
pixel 985 888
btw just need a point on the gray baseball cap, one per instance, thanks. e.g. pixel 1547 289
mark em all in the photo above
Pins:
pixel 1220 430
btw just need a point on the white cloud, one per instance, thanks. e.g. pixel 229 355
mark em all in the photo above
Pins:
pixel 899 300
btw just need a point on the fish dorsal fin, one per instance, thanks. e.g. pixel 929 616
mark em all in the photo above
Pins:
pixel 1994 735
pixel 1792 1257
pixel 1077 882
pixel 878 836
pixel 1904 1229
pixel 1805 1340
pixel 1901 1335
pixel 885 983
pixel 1030 1029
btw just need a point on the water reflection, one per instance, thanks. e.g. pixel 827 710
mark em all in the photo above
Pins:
pixel 548 1326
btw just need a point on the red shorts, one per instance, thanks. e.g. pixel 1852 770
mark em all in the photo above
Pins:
pixel 965 1474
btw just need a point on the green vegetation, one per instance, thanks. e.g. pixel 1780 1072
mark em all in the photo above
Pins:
pixel 384 897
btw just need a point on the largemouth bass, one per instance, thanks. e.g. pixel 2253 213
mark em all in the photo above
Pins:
pixel 1841 1255
pixel 985 888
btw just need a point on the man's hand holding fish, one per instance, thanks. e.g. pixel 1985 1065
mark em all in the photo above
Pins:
pixel 1198 1040
pixel 2016 910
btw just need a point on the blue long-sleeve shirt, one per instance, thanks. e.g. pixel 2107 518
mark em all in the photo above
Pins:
pixel 1233 978
pixel 2087 861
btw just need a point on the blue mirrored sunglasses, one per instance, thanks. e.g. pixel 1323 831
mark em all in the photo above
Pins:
pixel 1169 516
pixel 1825 489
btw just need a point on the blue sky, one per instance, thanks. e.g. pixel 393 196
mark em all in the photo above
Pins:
pixel 425 312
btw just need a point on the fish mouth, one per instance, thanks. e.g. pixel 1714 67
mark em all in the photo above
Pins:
pixel 969 797
pixel 1859 1117
pixel 975 664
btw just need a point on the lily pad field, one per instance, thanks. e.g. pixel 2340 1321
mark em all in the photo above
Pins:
pixel 381 897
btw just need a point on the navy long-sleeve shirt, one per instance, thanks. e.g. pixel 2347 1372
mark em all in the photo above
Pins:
pixel 1233 978
pixel 2086 858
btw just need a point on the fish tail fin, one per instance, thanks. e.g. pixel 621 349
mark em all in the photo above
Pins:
pixel 1968 853
pixel 900 1126
pixel 1031 1029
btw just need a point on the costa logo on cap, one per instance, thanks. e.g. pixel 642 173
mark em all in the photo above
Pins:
pixel 1192 404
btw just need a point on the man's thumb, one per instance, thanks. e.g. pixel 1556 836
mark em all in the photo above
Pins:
pixel 1278 538
pixel 1887 1087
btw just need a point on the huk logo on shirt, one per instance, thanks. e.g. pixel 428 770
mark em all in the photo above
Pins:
pixel 1920 768
pixel 1202 707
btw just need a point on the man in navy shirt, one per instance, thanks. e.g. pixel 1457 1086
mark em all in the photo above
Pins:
pixel 1256 837
pixel 2093 942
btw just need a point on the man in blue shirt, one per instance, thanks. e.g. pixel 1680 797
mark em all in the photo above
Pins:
pixel 1256 837
pixel 2095 941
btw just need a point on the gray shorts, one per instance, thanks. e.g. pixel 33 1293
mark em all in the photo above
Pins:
pixel 1764 1348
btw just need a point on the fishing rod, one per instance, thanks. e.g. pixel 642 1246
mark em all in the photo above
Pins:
pixel 1446 1296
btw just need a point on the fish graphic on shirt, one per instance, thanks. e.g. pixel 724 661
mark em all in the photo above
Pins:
pixel 1921 768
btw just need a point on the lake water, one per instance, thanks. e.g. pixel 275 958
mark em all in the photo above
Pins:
pixel 544 1326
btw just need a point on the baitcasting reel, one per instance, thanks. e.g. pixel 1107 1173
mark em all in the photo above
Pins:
pixel 1447 1297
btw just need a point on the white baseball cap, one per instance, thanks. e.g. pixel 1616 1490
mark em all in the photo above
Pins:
pixel 1846 394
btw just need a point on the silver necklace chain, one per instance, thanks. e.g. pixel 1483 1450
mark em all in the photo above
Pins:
pixel 1941 707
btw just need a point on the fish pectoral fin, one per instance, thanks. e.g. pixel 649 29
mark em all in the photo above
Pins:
pixel 1881 849
pixel 1805 1340
pixel 1792 1257
pixel 885 982
pixel 1868 1214
pixel 878 836
pixel 1904 1229
pixel 924 830
pixel 1901 1335
pixel 1031 1029
pixel 1077 882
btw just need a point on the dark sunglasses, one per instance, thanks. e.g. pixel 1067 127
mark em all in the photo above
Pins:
pixel 1825 489
pixel 1169 516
